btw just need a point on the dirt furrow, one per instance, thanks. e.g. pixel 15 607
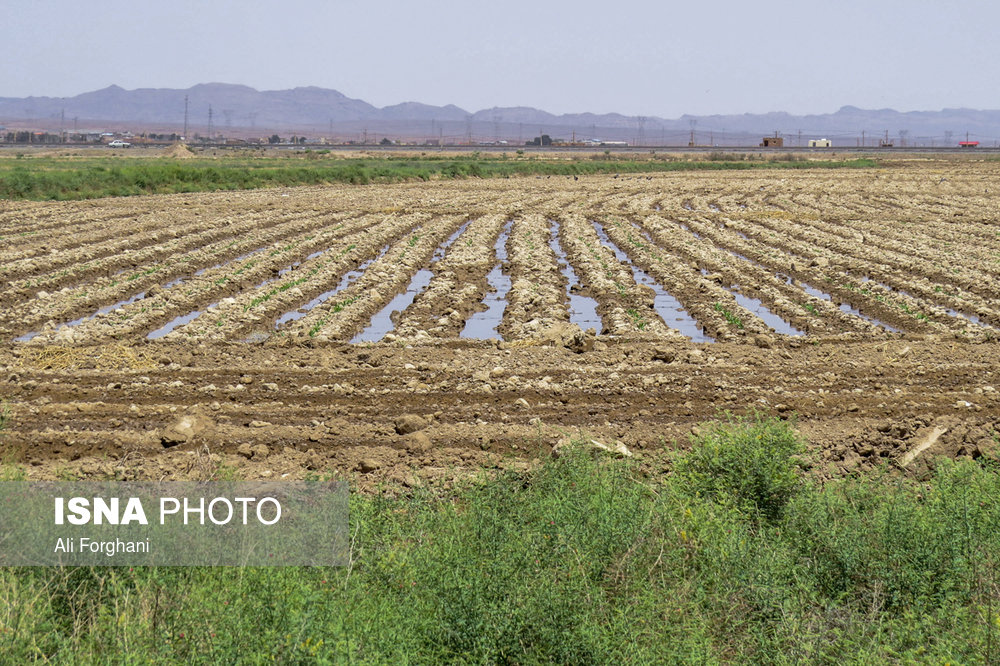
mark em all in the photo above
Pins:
pixel 383 280
pixel 458 286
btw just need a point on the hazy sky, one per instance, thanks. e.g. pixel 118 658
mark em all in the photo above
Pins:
pixel 651 58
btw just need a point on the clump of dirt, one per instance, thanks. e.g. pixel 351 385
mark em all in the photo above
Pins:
pixel 179 151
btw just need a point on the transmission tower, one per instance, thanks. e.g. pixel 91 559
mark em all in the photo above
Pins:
pixel 185 117
pixel 209 122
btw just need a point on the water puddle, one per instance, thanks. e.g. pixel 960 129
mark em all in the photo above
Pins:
pixel 132 299
pixel 886 286
pixel 582 309
pixel 381 323
pixel 688 229
pixel 317 253
pixel 484 325
pixel 755 306
pixel 173 283
pixel 100 311
pixel 973 319
pixel 813 291
pixel 177 321
pixel 970 318
pixel 288 268
pixel 231 261
pixel 846 307
pixel 669 308
pixel 349 278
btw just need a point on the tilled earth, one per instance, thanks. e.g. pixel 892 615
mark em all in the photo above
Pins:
pixel 199 335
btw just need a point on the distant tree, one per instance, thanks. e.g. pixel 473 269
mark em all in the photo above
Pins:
pixel 385 141
pixel 274 138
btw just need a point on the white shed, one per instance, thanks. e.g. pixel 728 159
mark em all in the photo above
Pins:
pixel 820 143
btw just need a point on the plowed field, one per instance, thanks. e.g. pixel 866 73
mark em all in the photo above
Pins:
pixel 327 329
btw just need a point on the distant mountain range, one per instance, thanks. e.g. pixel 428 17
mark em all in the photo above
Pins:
pixel 241 111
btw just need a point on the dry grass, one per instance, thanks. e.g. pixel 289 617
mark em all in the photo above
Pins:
pixel 105 357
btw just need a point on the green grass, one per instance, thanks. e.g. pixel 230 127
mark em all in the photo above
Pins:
pixel 729 316
pixel 86 178
pixel 738 557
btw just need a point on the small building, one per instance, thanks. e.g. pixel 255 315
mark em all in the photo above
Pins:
pixel 772 142
pixel 820 143
pixel 968 144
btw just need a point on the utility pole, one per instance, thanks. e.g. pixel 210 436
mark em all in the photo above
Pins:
pixel 185 117
pixel 210 122
pixel 862 138
pixel 799 142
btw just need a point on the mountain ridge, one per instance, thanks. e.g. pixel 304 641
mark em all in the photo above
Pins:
pixel 237 106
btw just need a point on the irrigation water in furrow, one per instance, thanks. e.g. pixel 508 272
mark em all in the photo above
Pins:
pixel 582 309
pixel 844 307
pixel 484 325
pixel 177 321
pixel 136 297
pixel 381 322
pixel 669 308
pixel 191 316
pixel 76 322
pixel 812 291
pixel 753 305
pixel 758 308
pixel 349 278
pixel 972 319
pixel 132 299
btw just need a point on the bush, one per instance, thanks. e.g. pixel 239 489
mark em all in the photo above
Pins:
pixel 749 461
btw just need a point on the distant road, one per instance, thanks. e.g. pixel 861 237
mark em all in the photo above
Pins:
pixel 145 149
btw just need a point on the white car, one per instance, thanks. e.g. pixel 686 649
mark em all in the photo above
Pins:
pixel 118 143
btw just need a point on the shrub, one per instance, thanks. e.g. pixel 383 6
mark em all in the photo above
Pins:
pixel 749 461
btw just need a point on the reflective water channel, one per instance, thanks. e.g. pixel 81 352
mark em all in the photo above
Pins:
pixel 484 325
pixel 582 309
pixel 381 323
pixel 669 308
